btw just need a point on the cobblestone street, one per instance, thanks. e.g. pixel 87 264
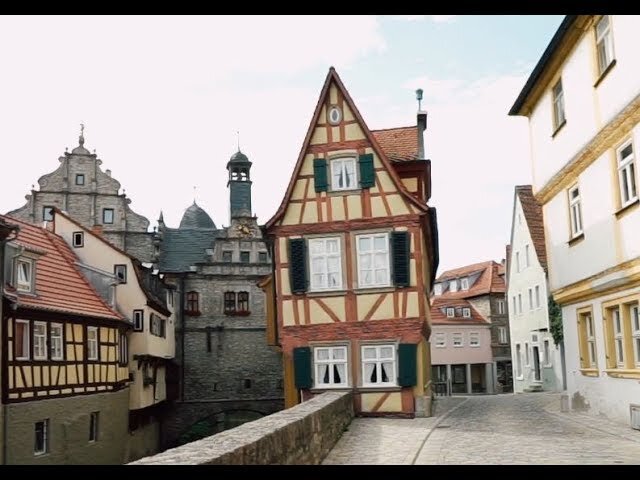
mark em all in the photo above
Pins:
pixel 496 429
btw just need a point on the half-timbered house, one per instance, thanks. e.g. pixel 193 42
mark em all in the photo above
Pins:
pixel 64 357
pixel 355 253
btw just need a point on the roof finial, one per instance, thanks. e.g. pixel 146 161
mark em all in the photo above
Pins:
pixel 419 98
pixel 194 194
pixel 238 132
pixel 82 134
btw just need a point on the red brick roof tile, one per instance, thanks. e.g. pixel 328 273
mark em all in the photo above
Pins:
pixel 400 143
pixel 489 280
pixel 535 221
pixel 59 285
pixel 438 317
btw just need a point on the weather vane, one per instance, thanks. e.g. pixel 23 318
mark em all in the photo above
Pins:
pixel 238 133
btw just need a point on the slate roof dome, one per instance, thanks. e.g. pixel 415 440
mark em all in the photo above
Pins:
pixel 239 157
pixel 195 218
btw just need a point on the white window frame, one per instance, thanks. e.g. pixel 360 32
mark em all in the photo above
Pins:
pixel 474 339
pixel 138 317
pixel 24 284
pixel 618 336
pixel 93 352
pixel 453 285
pixel 378 361
pixel 627 175
pixel 635 333
pixel 437 289
pixel 75 236
pixel 342 164
pixel 104 216
pixel 330 362
pixel 451 312
pixel 591 341
pixel 604 44
pixel 57 341
pixel 40 341
pixel 537 295
pixel 575 211
pixel 527 359
pixel 547 352
pixel 527 262
pixel 466 312
pixel 324 257
pixel 501 305
pixel 457 336
pixel 372 253
pixel 464 284
pixel 502 335
pixel 45 438
pixel 25 339
pixel 557 98
pixel 440 340
pixel 530 299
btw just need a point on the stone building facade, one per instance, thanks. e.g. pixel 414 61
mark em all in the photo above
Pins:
pixel 92 197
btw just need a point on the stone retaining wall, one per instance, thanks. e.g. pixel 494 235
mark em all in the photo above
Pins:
pixel 303 434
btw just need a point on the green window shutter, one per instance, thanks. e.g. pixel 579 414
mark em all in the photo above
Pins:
pixel 297 265
pixel 320 174
pixel 367 173
pixel 302 367
pixel 407 368
pixel 400 242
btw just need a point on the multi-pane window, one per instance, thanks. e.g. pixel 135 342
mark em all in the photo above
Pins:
pixel 343 174
pixel 466 312
pixel 41 445
pixel 47 214
pixel 330 366
pixel 24 272
pixel 262 257
pixel 138 320
pixel 474 339
pixel 57 341
pixel 451 312
pixel 627 174
pixel 325 263
pixel 107 215
pixel 537 296
pixel 157 325
pixel 604 43
pixel 618 336
pixel 575 211
pixel 373 260
pixel 437 289
pixel 92 343
pixel 21 340
pixel 227 255
pixel 93 426
pixel 558 105
pixel 453 286
pixel 500 307
pixel 587 342
pixel 39 341
pixel 229 302
pixel 518 360
pixel 120 271
pixel 378 365
pixel 635 333
pixel 457 340
pixel 193 303
pixel 243 301
pixel 464 284
pixel 440 340
pixel 502 335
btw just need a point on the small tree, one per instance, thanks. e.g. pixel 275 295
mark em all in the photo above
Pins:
pixel 555 321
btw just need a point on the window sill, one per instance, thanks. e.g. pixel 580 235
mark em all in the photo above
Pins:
pixel 338 193
pixel 630 207
pixel 374 289
pixel 320 389
pixel 378 388
pixel 623 373
pixel 324 293
pixel 605 72
pixel 590 372
pixel 558 128
pixel 575 240
pixel 243 313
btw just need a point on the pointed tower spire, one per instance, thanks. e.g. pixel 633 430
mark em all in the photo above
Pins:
pixel 161 218
pixel 81 139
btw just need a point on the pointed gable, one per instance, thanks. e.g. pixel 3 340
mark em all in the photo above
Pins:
pixel 337 129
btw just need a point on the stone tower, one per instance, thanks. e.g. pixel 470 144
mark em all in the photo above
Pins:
pixel 239 184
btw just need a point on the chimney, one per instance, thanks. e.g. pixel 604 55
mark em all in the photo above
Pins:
pixel 422 124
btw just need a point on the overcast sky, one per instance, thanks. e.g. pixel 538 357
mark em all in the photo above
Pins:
pixel 162 99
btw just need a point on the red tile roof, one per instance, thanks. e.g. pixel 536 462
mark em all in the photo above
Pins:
pixel 398 143
pixel 533 215
pixel 59 285
pixel 489 280
pixel 438 317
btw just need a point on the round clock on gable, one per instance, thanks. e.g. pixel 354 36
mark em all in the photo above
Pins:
pixel 334 115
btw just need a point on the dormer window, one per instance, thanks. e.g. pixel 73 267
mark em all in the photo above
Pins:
pixel 24 275
pixel 343 174
pixel 464 284
pixel 453 286
pixel 466 312
pixel 437 289
pixel 451 312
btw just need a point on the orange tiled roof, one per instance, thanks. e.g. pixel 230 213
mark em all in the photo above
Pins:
pixel 59 285
pixel 489 280
pixel 438 317
pixel 398 143
pixel 533 215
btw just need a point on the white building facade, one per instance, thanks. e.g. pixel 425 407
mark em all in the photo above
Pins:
pixel 583 105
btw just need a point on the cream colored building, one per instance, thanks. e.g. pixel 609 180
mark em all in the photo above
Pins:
pixel 143 299
pixel 583 105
